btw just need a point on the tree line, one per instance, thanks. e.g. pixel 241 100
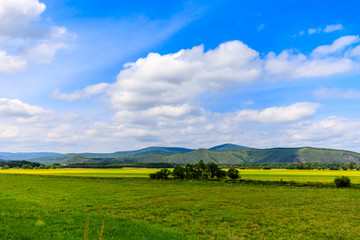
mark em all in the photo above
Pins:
pixel 197 171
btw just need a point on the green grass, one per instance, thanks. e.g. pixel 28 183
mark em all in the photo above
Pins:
pixel 47 207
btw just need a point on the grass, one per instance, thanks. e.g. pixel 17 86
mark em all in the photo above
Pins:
pixel 44 207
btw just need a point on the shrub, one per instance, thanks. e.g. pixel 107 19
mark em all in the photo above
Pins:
pixel 233 173
pixel 344 168
pixel 342 181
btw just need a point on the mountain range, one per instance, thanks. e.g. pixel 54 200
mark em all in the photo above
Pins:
pixel 222 154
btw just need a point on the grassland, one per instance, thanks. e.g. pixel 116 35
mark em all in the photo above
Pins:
pixel 68 207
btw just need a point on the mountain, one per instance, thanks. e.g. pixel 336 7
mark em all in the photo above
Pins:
pixel 145 151
pixel 244 156
pixel 228 147
pixel 26 156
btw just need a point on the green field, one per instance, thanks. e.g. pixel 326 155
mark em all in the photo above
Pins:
pixel 65 207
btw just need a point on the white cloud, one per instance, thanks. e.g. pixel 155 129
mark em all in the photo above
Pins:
pixel 11 64
pixel 81 94
pixel 43 53
pixel 290 113
pixel 15 15
pixel 21 40
pixel 314 30
pixel 17 108
pixel 179 78
pixel 7 131
pixel 327 29
pixel 287 64
pixel 334 130
pixel 337 93
pixel 337 45
pixel 355 51
pixel 333 28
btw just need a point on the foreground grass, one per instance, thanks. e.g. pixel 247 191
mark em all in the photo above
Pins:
pixel 45 207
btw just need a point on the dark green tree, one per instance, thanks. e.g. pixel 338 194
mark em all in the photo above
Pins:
pixel 178 172
pixel 5 167
pixel 27 166
pixel 352 165
pixel 233 173
pixel 342 181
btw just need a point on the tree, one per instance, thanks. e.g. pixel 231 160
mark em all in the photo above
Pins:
pixel 27 166
pixel 5 167
pixel 342 181
pixel 233 173
pixel 178 172
pixel 352 165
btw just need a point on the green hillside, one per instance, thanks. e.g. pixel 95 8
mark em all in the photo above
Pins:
pixel 64 158
pixel 244 156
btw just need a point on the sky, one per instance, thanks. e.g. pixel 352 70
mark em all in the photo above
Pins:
pixel 106 76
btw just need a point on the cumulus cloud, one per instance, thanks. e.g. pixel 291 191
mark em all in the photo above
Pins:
pixel 173 79
pixel 11 64
pixel 336 93
pixel 290 113
pixel 22 40
pixel 15 15
pixel 332 128
pixel 158 99
pixel 81 94
pixel 17 108
pixel 321 61
pixel 355 51
pixel 337 45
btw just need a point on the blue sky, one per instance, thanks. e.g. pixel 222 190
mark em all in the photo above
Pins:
pixel 91 76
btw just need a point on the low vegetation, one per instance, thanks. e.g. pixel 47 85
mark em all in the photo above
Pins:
pixel 197 171
pixel 343 181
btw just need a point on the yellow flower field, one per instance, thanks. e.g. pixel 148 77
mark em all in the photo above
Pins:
pixel 271 175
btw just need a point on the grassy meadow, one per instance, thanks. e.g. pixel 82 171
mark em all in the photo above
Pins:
pixel 108 204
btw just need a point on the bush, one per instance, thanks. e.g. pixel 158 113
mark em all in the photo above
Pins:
pixel 233 173
pixel 342 181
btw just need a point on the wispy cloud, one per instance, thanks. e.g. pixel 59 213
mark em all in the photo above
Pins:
pixel 333 28
pixel 336 93
pixel 327 29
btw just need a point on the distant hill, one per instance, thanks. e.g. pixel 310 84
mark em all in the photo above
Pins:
pixel 25 156
pixel 145 151
pixel 244 156
pixel 228 147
